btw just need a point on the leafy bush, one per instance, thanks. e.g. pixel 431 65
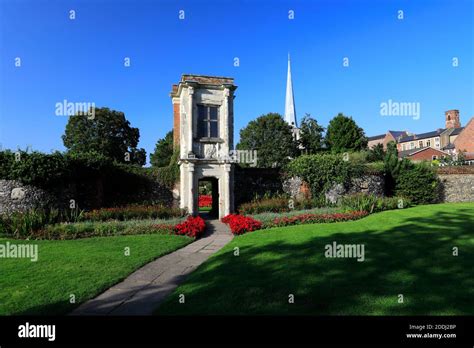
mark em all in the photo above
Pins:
pixel 239 224
pixel 322 171
pixel 133 212
pixel 419 184
pixel 371 203
pixel 359 201
pixel 26 224
pixel 101 229
pixel 167 176
pixel 275 204
pixel 278 205
pixel 193 226
pixel 33 168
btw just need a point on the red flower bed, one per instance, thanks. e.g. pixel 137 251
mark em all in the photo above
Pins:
pixel 205 201
pixel 316 218
pixel 240 224
pixel 193 226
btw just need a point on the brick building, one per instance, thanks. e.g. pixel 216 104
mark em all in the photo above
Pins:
pixel 442 142
pixel 384 139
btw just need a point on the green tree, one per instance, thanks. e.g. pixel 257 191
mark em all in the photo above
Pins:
pixel 311 134
pixel 376 153
pixel 393 166
pixel 108 133
pixel 343 134
pixel 272 138
pixel 163 151
pixel 419 184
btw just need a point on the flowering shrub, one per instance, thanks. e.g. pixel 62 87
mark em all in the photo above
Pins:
pixel 193 226
pixel 132 212
pixel 316 218
pixel 240 224
pixel 205 201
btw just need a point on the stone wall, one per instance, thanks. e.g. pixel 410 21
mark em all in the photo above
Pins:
pixel 257 181
pixel 457 187
pixel 251 182
pixel 87 194
pixel 14 196
pixel 370 184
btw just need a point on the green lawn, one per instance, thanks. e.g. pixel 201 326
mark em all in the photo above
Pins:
pixel 407 252
pixel 83 267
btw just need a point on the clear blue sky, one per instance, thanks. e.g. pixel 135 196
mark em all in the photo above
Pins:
pixel 82 60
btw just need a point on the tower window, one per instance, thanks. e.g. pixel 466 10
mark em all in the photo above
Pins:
pixel 208 121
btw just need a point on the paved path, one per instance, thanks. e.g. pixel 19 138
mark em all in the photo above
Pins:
pixel 142 291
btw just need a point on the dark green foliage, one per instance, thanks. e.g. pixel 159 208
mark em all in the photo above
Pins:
pixel 343 134
pixel 372 204
pixel 419 184
pixel 275 205
pixel 161 157
pixel 377 153
pixel 33 168
pixel 132 212
pixel 311 135
pixel 393 166
pixel 94 179
pixel 272 137
pixel 322 171
pixel 167 176
pixel 108 133
pixel 25 224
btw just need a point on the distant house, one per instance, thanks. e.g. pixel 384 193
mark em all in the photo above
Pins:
pixel 437 144
pixel 384 139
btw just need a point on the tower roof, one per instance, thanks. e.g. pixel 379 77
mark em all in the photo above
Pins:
pixel 290 113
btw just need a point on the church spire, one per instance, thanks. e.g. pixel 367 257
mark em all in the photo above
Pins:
pixel 290 114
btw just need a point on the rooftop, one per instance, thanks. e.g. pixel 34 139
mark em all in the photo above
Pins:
pixel 422 135
pixel 203 80
pixel 376 137
pixel 208 80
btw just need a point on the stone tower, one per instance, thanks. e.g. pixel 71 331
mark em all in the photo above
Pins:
pixel 452 119
pixel 203 133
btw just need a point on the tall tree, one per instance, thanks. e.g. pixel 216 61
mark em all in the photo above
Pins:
pixel 376 153
pixel 393 166
pixel 311 134
pixel 161 157
pixel 343 134
pixel 108 133
pixel 273 139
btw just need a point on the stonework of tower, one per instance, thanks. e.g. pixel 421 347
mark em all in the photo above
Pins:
pixel 452 119
pixel 203 127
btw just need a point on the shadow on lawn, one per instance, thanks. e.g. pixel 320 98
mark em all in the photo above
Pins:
pixel 414 258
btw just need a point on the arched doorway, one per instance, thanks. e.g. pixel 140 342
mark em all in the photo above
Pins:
pixel 208 199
